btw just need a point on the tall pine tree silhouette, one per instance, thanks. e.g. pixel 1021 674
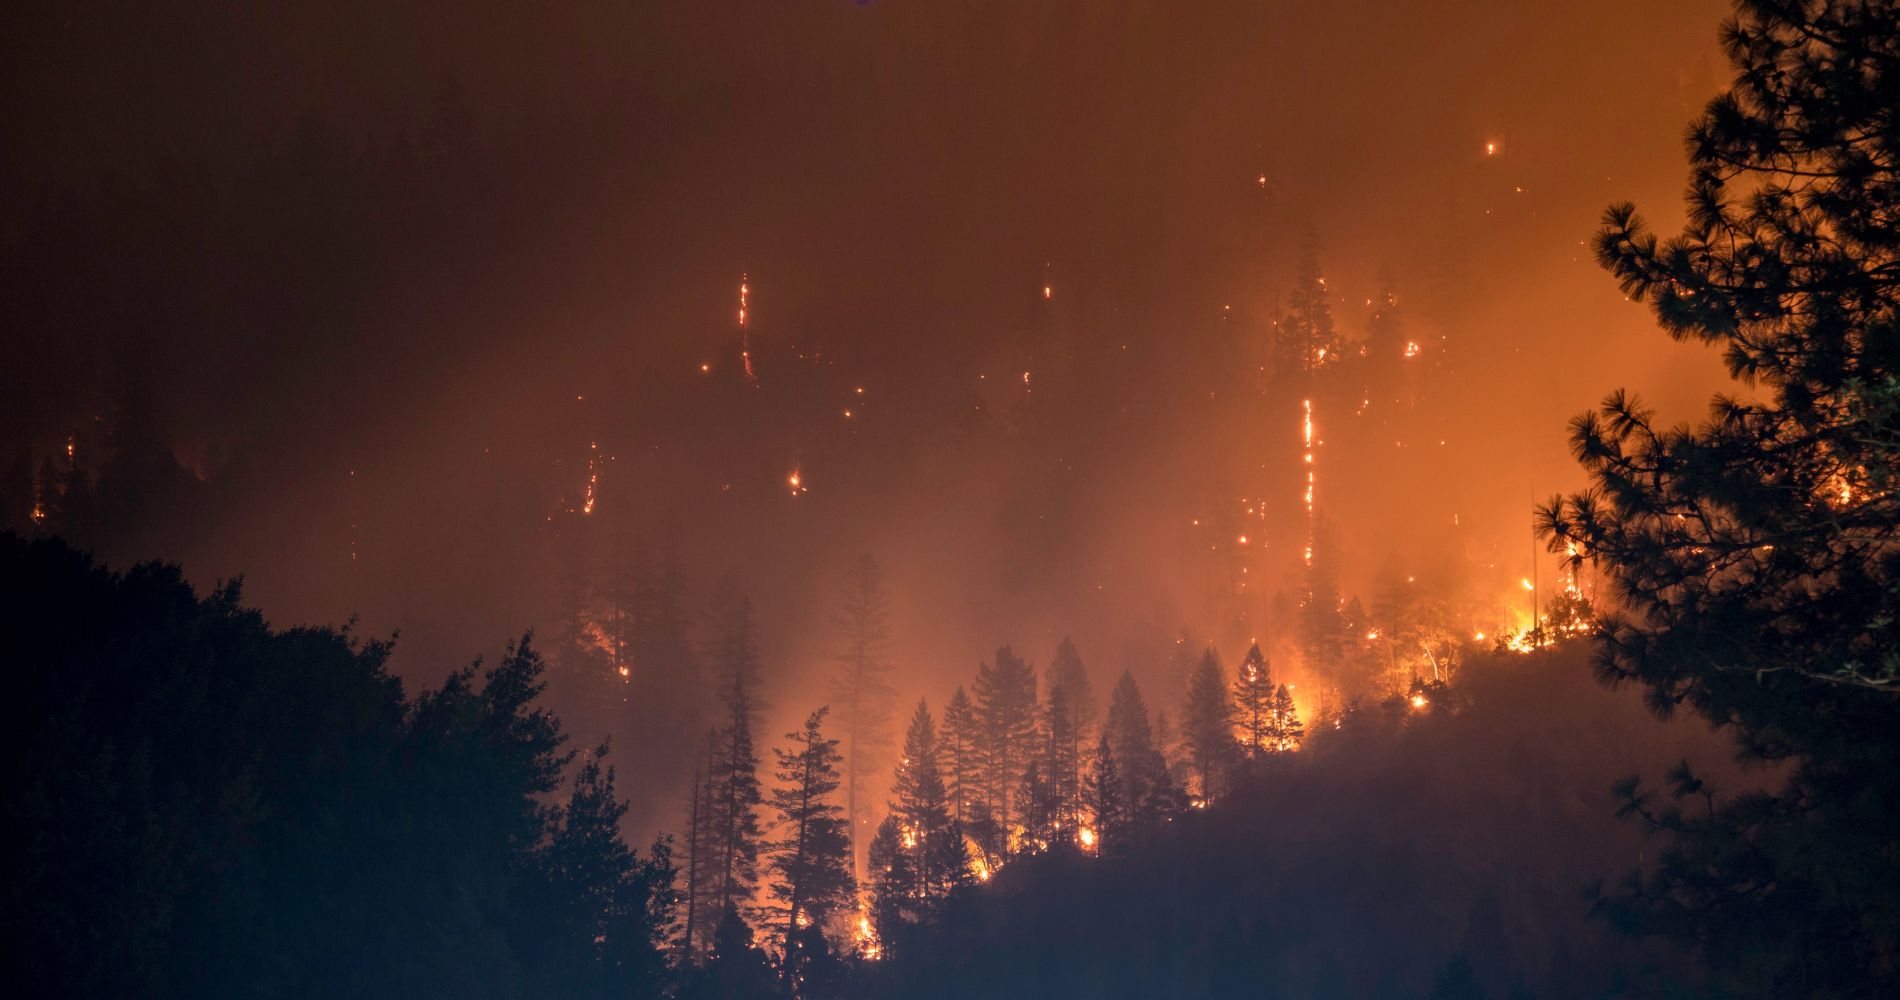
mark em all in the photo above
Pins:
pixel 1756 556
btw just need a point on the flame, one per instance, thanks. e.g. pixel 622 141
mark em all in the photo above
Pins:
pixel 1086 837
pixel 593 477
pixel 866 939
pixel 745 336
pixel 796 482
pixel 1418 701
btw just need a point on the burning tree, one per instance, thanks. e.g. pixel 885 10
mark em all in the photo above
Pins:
pixel 1756 557
pixel 861 686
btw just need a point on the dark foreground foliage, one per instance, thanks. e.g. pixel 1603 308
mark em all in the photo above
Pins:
pixel 201 806
pixel 1442 851
pixel 1756 556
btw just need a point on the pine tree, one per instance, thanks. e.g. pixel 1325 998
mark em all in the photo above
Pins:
pixel 1755 555
pixel 1322 629
pixel 1286 733
pixel 602 911
pixel 1006 711
pixel 933 842
pixel 1253 698
pixel 1061 766
pixel 701 833
pixel 1305 338
pixel 1068 673
pixel 1207 725
pixel 1107 799
pixel 893 882
pixel 962 764
pixel 733 776
pixel 812 863
pixel 861 684
pixel 1148 790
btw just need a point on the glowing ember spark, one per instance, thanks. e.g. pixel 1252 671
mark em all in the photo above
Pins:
pixel 1047 293
pixel 1526 582
pixel 626 672
pixel 1418 701
pixel 593 477
pixel 745 335
pixel 1306 436
pixel 796 482
pixel 1087 837
pixel 1411 348
pixel 1491 148
pixel 705 368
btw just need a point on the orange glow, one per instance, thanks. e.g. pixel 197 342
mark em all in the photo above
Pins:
pixel 796 481
pixel 1418 701
pixel 866 939
pixel 745 336
pixel 593 477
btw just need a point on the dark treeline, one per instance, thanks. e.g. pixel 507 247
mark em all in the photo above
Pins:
pixel 1443 850
pixel 200 806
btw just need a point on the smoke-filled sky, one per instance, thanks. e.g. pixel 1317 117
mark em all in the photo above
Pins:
pixel 412 408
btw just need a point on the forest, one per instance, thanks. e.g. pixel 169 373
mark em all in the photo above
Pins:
pixel 1053 645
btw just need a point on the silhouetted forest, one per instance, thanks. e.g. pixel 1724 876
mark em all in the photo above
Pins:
pixel 1669 768
pixel 200 805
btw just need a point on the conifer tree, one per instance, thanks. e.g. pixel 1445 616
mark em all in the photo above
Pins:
pixel 962 764
pixel 701 833
pixel 812 864
pixel 1068 673
pixel 603 911
pixel 733 777
pixel 1286 733
pixel 1006 712
pixel 933 842
pixel 861 686
pixel 1061 765
pixel 893 882
pixel 1253 700
pixel 1305 338
pixel 1207 724
pixel 1147 788
pixel 1756 556
pixel 1322 629
pixel 1107 798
